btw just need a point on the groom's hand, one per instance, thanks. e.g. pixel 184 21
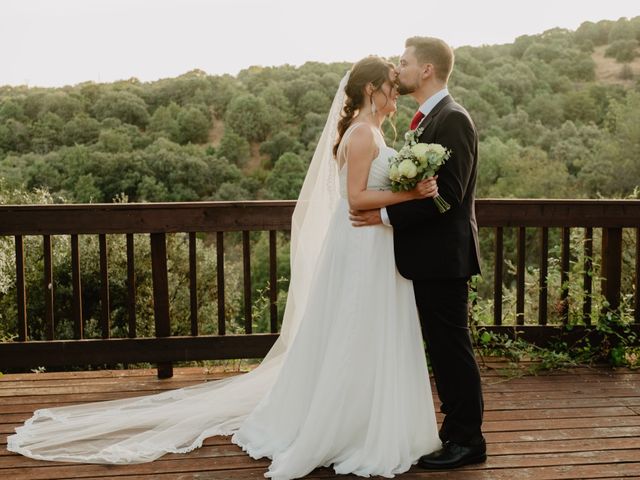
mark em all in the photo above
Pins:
pixel 365 218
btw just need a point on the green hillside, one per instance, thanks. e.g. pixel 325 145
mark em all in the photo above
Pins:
pixel 558 114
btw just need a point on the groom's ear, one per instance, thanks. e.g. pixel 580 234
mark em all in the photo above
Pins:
pixel 427 70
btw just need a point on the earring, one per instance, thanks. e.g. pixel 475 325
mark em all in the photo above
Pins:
pixel 373 105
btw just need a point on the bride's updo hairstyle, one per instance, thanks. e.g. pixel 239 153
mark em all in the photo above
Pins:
pixel 370 69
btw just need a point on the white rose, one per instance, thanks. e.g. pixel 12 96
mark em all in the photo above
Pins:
pixel 394 174
pixel 436 149
pixel 407 169
pixel 420 151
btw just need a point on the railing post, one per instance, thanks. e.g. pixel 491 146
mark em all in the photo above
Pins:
pixel 246 277
pixel 544 270
pixel 131 285
pixel 220 279
pixel 161 295
pixel 273 282
pixel 611 265
pixel 105 308
pixel 520 276
pixel 497 276
pixel 587 276
pixel 49 326
pixel 636 308
pixel 76 282
pixel 193 284
pixel 565 263
pixel 21 291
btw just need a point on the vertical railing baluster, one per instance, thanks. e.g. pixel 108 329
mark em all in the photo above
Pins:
pixel 131 285
pixel 587 282
pixel 161 295
pixel 48 288
pixel 636 307
pixel 611 265
pixel 220 280
pixel 246 262
pixel 193 284
pixel 520 276
pixel 564 275
pixel 78 322
pixel 105 323
pixel 497 276
pixel 21 290
pixel 544 270
pixel 273 282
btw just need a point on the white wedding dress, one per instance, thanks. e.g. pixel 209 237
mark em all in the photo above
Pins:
pixel 346 385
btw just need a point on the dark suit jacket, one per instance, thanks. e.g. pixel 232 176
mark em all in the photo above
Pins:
pixel 429 244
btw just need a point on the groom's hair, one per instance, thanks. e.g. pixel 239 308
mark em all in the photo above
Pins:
pixel 434 51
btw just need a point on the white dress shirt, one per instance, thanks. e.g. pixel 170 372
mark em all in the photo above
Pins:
pixel 425 108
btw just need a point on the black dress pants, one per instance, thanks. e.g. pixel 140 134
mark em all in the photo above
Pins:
pixel 443 308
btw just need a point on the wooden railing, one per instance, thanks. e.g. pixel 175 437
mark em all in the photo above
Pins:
pixel 160 219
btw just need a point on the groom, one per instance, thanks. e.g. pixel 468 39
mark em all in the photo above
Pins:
pixel 439 251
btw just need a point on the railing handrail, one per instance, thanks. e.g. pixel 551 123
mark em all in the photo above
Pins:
pixel 168 217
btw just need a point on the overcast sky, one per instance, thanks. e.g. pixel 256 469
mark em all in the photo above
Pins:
pixel 59 42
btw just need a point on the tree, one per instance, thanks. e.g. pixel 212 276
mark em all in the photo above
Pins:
pixel 223 89
pixel 229 191
pixel 65 105
pixel 504 164
pixel 518 126
pixel 86 191
pixel 14 136
pixel 164 122
pixel 274 97
pixel 11 109
pixel 81 129
pixel 623 50
pixel 123 105
pixel 311 127
pixel 285 180
pixel 46 133
pixel 313 101
pixel 114 140
pixel 481 111
pixel 580 106
pixel 248 116
pixel 622 30
pixel 193 125
pixel 503 104
pixel 574 146
pixel 614 169
pixel 279 144
pixel 234 148
pixel 547 109
pixel 597 33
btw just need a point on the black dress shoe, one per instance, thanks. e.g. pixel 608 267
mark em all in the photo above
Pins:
pixel 452 455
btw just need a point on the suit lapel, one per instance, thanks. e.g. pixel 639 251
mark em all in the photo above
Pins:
pixel 425 122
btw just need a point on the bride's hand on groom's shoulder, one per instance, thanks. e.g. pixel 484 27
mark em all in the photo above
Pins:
pixel 365 218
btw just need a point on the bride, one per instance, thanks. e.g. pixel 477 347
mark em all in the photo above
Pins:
pixel 346 384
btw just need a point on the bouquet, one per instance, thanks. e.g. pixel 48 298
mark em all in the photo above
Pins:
pixel 416 161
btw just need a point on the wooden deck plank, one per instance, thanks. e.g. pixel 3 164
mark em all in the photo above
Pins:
pixel 490 415
pixel 582 423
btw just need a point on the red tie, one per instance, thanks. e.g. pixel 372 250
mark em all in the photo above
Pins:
pixel 416 120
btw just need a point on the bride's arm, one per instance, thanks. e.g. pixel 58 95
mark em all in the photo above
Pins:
pixel 360 150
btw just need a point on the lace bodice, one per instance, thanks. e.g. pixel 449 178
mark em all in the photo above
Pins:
pixel 379 171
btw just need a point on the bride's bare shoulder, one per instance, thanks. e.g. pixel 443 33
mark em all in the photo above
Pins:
pixel 359 135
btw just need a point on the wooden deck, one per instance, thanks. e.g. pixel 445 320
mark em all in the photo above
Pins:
pixel 583 423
